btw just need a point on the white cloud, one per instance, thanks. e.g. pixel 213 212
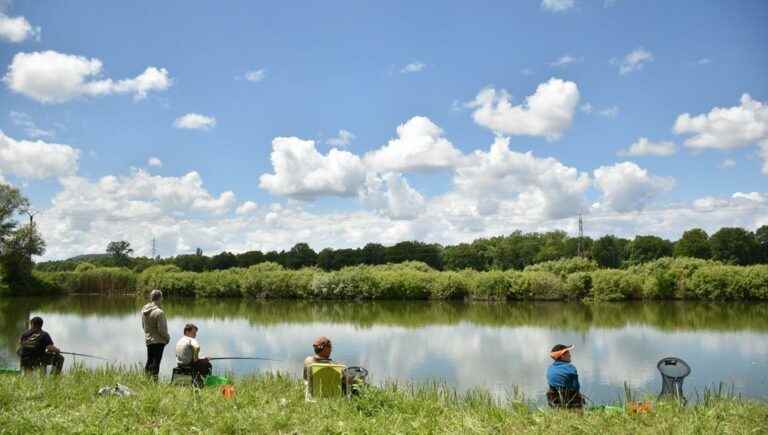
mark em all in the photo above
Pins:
pixel 342 140
pixel 526 71
pixel 548 112
pixel 246 208
pixel 763 153
pixel 541 187
pixel 644 147
pixel 557 5
pixel 302 172
pixel 565 60
pixel 627 187
pixel 586 108
pixel 52 77
pixel 413 67
pixel 420 146
pixel 609 112
pixel 726 128
pixel 36 159
pixel 256 75
pixel 17 29
pixel 752 196
pixel 728 163
pixel 634 60
pixel 195 121
pixel 704 61
pixel 154 161
pixel 392 196
pixel 30 128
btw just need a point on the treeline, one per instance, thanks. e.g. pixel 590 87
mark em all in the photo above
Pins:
pixel 564 279
pixel 516 251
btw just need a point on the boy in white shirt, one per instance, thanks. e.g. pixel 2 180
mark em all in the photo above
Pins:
pixel 188 353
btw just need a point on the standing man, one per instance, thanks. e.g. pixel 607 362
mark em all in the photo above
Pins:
pixel 36 349
pixel 155 333
pixel 188 354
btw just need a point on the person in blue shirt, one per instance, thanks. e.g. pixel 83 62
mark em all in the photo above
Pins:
pixel 563 379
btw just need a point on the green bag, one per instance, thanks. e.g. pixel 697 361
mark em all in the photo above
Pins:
pixel 215 381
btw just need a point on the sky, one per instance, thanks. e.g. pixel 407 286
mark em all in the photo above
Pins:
pixel 257 126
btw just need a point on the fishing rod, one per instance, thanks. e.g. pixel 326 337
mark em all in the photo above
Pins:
pixel 83 355
pixel 243 358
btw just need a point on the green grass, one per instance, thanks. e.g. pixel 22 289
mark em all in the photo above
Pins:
pixel 275 404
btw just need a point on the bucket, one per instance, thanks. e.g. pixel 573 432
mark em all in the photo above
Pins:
pixel 228 391
pixel 214 381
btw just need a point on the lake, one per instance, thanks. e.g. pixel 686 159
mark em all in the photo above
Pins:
pixel 497 346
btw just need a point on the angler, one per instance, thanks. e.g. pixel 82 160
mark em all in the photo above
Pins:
pixel 36 349
pixel 188 354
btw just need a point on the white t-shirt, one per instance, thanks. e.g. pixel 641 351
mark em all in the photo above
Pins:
pixel 187 350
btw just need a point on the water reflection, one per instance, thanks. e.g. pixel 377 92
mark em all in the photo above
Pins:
pixel 468 345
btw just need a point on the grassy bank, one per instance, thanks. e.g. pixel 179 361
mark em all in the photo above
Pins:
pixel 574 279
pixel 275 404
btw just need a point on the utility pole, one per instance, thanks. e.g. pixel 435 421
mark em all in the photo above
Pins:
pixel 581 237
pixel 31 212
pixel 154 248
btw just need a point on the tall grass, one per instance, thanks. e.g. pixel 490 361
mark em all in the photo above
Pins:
pixel 666 278
pixel 274 403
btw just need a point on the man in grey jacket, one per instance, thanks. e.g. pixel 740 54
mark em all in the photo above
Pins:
pixel 155 332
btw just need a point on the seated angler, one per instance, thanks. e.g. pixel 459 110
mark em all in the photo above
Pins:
pixel 188 354
pixel 36 349
pixel 563 380
pixel 323 377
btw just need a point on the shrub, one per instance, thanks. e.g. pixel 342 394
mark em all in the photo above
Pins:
pixel 578 285
pixel 564 266
pixel 452 285
pixel 756 278
pixel 615 285
pixel 267 266
pixel 720 282
pixel 84 267
pixel 492 285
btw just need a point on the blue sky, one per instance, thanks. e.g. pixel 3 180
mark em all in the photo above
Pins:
pixel 622 71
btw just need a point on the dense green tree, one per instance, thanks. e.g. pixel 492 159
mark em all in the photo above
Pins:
pixel 224 260
pixel 571 246
pixel 192 263
pixel 249 258
pixel 761 235
pixel 300 255
pixel 466 256
pixel 648 248
pixel 17 245
pixel 415 251
pixel 374 253
pixel 552 246
pixel 735 245
pixel 694 243
pixel 515 251
pixel 120 252
pixel 608 251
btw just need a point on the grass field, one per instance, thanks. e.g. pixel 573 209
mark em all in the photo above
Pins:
pixel 275 404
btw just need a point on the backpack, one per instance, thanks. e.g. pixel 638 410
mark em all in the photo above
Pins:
pixel 31 346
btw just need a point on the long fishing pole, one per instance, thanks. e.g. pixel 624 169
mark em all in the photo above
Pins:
pixel 83 355
pixel 244 357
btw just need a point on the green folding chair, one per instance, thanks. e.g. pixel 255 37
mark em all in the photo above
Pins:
pixel 325 380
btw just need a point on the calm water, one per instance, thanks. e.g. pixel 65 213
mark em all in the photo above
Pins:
pixel 494 346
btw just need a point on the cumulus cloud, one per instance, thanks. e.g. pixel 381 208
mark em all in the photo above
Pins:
pixel 548 112
pixel 256 75
pixel 413 67
pixel 392 196
pixel 763 153
pixel 52 77
pixel 195 121
pixel 609 112
pixel 301 172
pixel 728 163
pixel 420 146
pixel 644 147
pixel 36 159
pixel 557 5
pixel 246 208
pixel 30 128
pixel 626 187
pixel 17 29
pixel 634 61
pixel 154 161
pixel 542 187
pixel 586 108
pixel 343 139
pixel 726 128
